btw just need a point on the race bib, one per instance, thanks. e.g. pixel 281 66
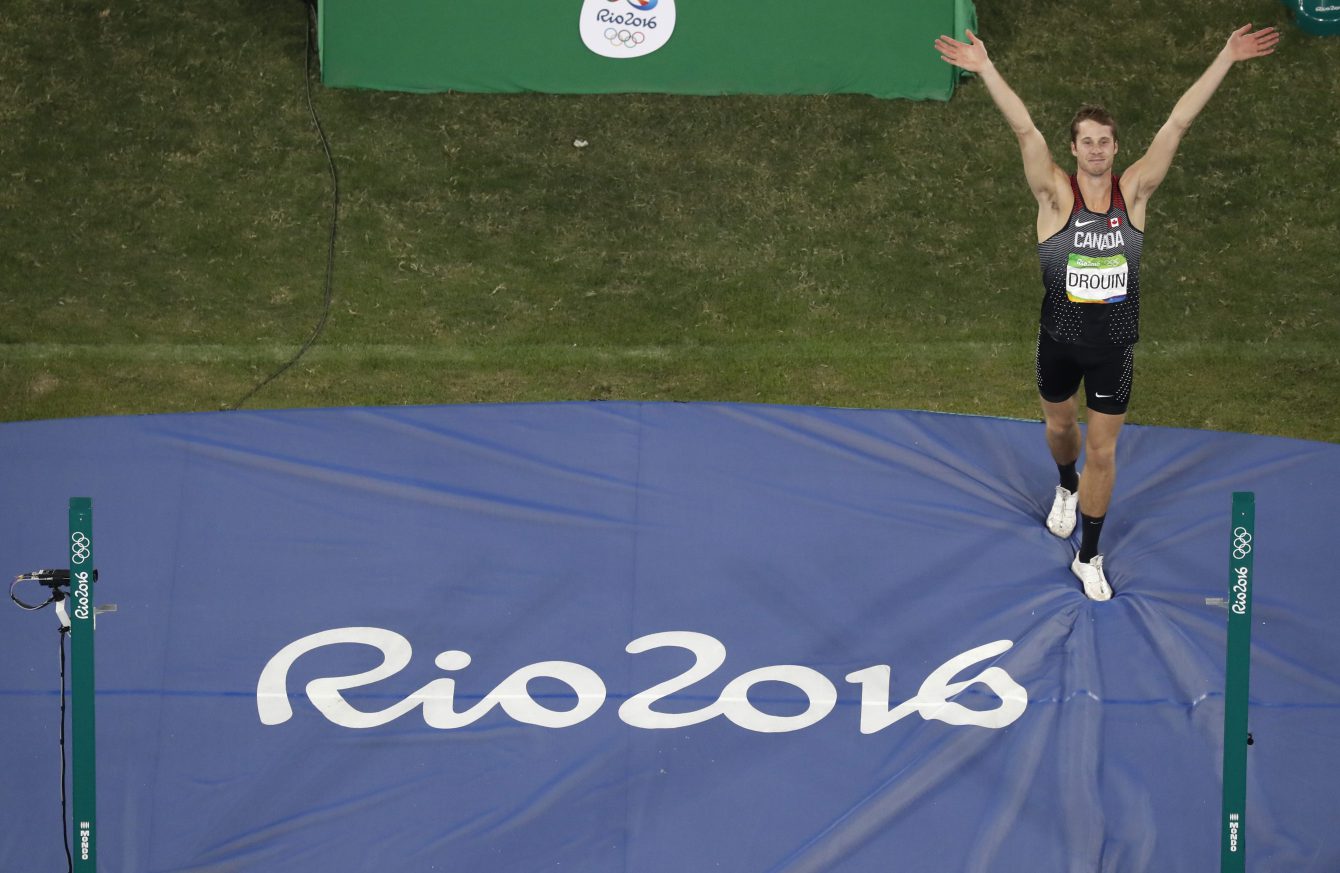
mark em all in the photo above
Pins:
pixel 626 28
pixel 1095 280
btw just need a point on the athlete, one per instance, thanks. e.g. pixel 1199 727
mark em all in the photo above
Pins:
pixel 1090 231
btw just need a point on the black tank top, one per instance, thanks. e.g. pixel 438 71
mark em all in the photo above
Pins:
pixel 1091 275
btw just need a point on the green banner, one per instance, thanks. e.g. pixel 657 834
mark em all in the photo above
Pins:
pixel 666 46
pixel 82 731
pixel 1233 844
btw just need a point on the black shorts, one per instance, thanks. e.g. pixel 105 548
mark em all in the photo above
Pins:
pixel 1105 370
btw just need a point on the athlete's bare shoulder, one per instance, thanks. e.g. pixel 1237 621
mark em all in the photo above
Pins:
pixel 1054 204
pixel 1133 195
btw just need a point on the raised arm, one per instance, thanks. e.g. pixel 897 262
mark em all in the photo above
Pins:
pixel 1044 177
pixel 1145 175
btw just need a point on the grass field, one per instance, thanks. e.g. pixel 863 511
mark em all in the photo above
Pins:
pixel 165 205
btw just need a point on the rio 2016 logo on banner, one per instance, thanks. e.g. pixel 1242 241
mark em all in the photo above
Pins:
pixel 437 700
pixel 626 28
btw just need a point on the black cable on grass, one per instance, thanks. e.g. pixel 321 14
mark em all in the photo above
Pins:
pixel 334 220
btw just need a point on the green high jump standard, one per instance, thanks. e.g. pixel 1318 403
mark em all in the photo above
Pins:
pixel 82 725
pixel 1233 842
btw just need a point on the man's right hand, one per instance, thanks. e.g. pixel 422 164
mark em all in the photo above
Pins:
pixel 1049 183
pixel 970 56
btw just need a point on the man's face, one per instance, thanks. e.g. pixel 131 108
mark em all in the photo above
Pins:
pixel 1094 148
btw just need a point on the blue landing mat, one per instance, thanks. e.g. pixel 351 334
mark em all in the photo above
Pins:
pixel 664 638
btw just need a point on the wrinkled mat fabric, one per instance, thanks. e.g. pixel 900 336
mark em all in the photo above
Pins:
pixel 659 638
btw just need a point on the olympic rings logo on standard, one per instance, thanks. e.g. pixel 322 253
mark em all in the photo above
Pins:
pixel 1242 542
pixel 79 547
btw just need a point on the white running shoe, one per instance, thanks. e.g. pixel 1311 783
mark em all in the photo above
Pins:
pixel 1091 574
pixel 1061 520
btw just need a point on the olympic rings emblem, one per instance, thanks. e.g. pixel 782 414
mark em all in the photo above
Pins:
pixel 79 547
pixel 1242 543
pixel 626 38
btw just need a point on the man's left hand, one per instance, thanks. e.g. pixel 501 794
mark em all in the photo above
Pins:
pixel 1243 46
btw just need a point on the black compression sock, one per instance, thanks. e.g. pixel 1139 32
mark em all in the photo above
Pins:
pixel 1091 529
pixel 1069 478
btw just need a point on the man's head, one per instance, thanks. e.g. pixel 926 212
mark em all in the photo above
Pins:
pixel 1093 139
pixel 1096 113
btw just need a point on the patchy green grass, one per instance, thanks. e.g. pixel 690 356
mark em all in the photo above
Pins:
pixel 165 207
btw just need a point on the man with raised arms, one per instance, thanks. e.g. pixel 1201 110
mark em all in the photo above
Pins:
pixel 1090 232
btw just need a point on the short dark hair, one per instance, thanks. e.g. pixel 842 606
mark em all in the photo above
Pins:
pixel 1092 112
